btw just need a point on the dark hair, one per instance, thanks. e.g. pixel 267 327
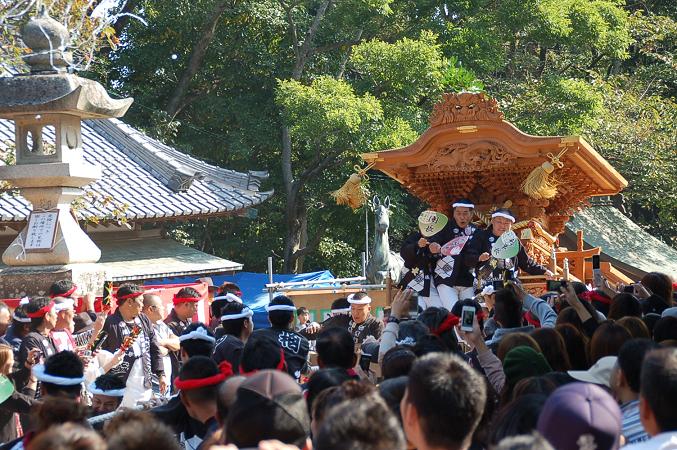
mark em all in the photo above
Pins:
pixel 58 288
pixel 361 425
pixel 324 379
pixel 532 441
pixel 145 433
pixel 412 331
pixel 650 320
pixel 68 436
pixel 520 416
pixel 575 344
pixel 553 348
pixel 197 347
pixel 508 309
pixel 392 391
pixel 35 304
pixel 233 326
pixel 259 353
pixel 63 364
pixel 541 385
pixel 198 367
pixel 226 288
pixel 335 348
pixel 57 410
pixel 349 390
pixel 226 396
pixel 429 344
pixel 301 310
pixel 340 303
pixel 635 326
pixel 448 396
pixel 109 382
pixel 665 329
pixel 513 340
pixel 433 317
pixel 397 361
pixel 659 284
pixel 623 305
pixel 630 358
pixel 281 319
pixel 569 316
pixel 659 386
pixel 188 292
pixel 128 289
pixel 607 339
pixel 20 311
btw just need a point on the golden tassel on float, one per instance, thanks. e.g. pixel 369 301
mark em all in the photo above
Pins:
pixel 539 184
pixel 353 192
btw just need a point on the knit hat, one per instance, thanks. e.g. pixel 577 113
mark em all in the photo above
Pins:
pixel 269 405
pixel 524 362
pixel 581 416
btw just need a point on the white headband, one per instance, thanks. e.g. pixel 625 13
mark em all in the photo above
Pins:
pixel 488 290
pixel 463 205
pixel 39 372
pixel 280 308
pixel 111 393
pixel 21 319
pixel 340 310
pixel 24 301
pixel 246 312
pixel 230 298
pixel 362 301
pixel 200 333
pixel 64 305
pixel 504 215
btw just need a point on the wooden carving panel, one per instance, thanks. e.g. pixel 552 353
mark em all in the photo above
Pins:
pixel 465 107
pixel 472 157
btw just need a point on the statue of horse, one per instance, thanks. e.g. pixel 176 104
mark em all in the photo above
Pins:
pixel 382 260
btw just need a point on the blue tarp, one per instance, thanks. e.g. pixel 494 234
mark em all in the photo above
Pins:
pixel 253 285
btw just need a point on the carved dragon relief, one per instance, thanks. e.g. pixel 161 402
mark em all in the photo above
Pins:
pixel 464 107
pixel 476 156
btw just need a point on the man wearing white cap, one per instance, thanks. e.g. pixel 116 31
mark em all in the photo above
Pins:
pixel 477 252
pixel 362 324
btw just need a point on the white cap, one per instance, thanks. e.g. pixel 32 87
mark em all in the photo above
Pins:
pixel 599 373
pixel 504 215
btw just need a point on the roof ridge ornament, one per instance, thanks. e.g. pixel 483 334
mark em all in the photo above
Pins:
pixel 465 107
pixel 47 39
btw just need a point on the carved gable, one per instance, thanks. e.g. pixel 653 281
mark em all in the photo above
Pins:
pixel 465 107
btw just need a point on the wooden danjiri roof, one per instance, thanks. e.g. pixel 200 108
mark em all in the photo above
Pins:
pixel 471 151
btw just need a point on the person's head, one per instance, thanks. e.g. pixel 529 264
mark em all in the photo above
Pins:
pixel 130 300
pixel 569 316
pixel 553 348
pixel 153 307
pixel 198 383
pixel 635 326
pixel 665 329
pixel 624 305
pixel 501 221
pixel 457 309
pixel 360 425
pixel 335 348
pixel 62 288
pixel 226 397
pixel 575 344
pixel 333 396
pixel 41 312
pixel 107 392
pixel 441 323
pixel 658 391
pixel 463 212
pixel 513 340
pixel 520 363
pixel 65 313
pixel 397 361
pixel 61 375
pixel 196 340
pixel 607 340
pixel 68 436
pixel 340 306
pixel 443 403
pixel 411 332
pixel 540 385
pixel 186 302
pixel 532 441
pixel 659 284
pixel 281 312
pixel 360 306
pixel 581 415
pixel 302 315
pixel 520 416
pixel 236 320
pixel 626 375
pixel 21 323
pixel 261 353
pixel 228 292
pixel 5 318
pixel 508 309
pixel 269 405
pixel 136 430
pixel 322 380
pixel 392 391
pixel 6 359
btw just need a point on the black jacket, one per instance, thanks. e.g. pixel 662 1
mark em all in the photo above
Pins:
pixel 31 341
pixel 460 274
pixel 16 403
pixel 228 348
pixel 294 345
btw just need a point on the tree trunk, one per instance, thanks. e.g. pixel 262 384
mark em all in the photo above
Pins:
pixel 542 56
pixel 196 57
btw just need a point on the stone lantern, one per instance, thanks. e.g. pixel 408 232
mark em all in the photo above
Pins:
pixel 47 106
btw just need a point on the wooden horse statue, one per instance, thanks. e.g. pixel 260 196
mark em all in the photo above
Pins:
pixel 382 260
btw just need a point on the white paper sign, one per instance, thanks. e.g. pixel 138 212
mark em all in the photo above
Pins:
pixel 41 230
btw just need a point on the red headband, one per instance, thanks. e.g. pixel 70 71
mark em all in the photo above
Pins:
pixel 178 300
pixel 280 366
pixel 68 293
pixel 531 320
pixel 593 296
pixel 226 370
pixel 481 316
pixel 447 324
pixel 40 312
pixel 126 296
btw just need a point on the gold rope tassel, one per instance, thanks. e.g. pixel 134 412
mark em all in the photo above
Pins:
pixel 539 184
pixel 353 192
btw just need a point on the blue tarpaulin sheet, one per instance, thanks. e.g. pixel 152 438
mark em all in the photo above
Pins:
pixel 253 285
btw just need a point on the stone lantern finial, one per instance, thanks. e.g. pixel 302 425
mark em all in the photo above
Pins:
pixel 47 40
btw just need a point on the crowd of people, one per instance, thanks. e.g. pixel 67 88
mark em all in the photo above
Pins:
pixel 580 368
